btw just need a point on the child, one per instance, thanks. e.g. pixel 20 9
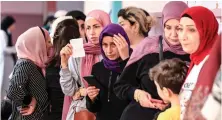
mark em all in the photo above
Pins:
pixel 168 77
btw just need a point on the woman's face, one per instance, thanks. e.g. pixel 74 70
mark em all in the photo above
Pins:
pixel 48 45
pixel 189 36
pixel 109 48
pixel 129 29
pixel 12 27
pixel 170 31
pixel 93 30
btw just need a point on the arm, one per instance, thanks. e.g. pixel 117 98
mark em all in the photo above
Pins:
pixel 123 63
pixel 4 39
pixel 17 88
pixel 95 105
pixel 135 76
pixel 10 50
pixel 70 76
pixel 127 83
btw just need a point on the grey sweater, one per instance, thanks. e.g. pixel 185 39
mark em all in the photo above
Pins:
pixel 69 78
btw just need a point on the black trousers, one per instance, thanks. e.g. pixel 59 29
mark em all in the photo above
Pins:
pixel 56 98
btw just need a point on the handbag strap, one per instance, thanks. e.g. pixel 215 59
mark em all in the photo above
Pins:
pixel 160 48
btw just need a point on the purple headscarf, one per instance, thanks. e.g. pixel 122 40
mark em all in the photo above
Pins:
pixel 110 30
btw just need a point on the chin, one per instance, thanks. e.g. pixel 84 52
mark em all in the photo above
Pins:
pixel 187 50
pixel 113 58
pixel 95 42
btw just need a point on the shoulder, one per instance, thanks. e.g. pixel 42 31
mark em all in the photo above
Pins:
pixel 3 33
pixel 172 113
pixel 98 65
pixel 169 55
pixel 25 64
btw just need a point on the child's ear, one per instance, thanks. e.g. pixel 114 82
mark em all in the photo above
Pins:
pixel 166 92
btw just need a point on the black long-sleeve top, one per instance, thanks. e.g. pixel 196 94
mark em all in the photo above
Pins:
pixel 135 76
pixel 107 105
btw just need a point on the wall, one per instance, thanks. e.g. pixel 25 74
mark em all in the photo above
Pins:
pixel 70 5
pixel 102 5
pixel 27 14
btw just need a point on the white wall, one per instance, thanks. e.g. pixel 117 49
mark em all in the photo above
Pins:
pixel 149 6
pixel 101 5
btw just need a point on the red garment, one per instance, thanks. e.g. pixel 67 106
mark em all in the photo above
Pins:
pixel 207 27
pixel 204 83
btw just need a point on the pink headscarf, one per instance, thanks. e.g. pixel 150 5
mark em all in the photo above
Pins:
pixel 92 55
pixel 32 45
pixel 93 51
pixel 171 10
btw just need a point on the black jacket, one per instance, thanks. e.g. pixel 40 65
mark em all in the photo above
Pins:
pixel 135 76
pixel 107 105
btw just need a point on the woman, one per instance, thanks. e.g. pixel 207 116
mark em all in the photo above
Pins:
pixel 197 34
pixel 115 48
pixel 7 53
pixel 66 28
pixel 204 90
pixel 27 89
pixel 134 83
pixel 136 23
pixel 73 70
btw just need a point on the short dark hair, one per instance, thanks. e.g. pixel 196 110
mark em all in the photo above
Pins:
pixel 78 15
pixel 65 31
pixel 169 73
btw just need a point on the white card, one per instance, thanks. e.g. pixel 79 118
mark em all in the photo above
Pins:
pixel 78 49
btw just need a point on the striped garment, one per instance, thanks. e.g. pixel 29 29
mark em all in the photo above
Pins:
pixel 27 80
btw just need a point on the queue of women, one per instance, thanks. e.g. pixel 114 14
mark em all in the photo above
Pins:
pixel 142 77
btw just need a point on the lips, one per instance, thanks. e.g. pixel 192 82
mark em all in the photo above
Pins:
pixel 93 38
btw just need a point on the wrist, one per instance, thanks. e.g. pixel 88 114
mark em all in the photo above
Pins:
pixel 64 65
pixel 137 95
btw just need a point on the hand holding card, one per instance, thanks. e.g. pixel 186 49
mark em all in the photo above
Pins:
pixel 78 49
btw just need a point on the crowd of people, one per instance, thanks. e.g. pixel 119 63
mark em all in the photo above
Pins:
pixel 173 76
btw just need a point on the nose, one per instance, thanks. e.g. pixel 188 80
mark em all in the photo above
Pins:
pixel 92 31
pixel 109 50
pixel 174 33
pixel 182 35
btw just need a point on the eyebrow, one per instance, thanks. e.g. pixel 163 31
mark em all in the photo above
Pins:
pixel 186 25
pixel 93 25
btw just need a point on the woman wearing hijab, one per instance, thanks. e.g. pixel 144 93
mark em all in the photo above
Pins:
pixel 197 33
pixel 115 52
pixel 7 53
pixel 74 69
pixel 203 90
pixel 66 28
pixel 27 89
pixel 134 83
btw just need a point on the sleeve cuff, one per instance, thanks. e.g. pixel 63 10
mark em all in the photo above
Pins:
pixel 131 93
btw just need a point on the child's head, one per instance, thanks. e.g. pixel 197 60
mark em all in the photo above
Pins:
pixel 168 77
